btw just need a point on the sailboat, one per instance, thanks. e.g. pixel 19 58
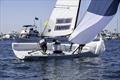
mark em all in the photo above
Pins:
pixel 73 40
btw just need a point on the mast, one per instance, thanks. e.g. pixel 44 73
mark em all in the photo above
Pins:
pixel 76 22
pixel 77 14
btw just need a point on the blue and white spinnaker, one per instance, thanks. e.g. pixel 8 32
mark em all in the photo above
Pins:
pixel 98 15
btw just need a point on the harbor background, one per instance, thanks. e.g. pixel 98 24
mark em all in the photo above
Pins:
pixel 16 13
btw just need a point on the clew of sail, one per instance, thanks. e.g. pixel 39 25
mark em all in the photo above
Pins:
pixel 98 15
pixel 63 18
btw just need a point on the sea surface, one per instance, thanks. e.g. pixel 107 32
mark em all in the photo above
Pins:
pixel 104 67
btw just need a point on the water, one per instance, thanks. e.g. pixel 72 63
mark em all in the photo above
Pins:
pixel 104 67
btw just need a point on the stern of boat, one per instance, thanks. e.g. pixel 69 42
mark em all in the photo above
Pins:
pixel 21 50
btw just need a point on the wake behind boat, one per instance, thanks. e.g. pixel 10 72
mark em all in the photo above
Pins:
pixel 63 37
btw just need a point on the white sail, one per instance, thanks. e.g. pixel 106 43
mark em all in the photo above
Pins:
pixel 63 18
pixel 98 15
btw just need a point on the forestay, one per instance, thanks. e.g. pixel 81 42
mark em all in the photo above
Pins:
pixel 98 15
pixel 63 18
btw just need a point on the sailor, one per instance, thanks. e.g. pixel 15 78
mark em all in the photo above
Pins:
pixel 56 46
pixel 43 45
pixel 31 32
pixel 80 47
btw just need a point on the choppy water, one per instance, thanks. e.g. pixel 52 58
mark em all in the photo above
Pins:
pixel 104 67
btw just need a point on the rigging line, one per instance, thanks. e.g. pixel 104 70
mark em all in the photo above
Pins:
pixel 81 18
pixel 77 14
pixel 76 21
pixel 86 7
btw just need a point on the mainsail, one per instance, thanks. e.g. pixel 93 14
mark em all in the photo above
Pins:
pixel 63 18
pixel 98 15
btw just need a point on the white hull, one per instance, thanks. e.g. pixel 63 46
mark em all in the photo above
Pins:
pixel 29 50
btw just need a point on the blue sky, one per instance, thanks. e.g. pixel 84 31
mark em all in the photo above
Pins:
pixel 15 13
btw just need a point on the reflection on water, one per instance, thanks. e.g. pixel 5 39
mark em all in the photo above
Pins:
pixel 104 67
pixel 74 69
